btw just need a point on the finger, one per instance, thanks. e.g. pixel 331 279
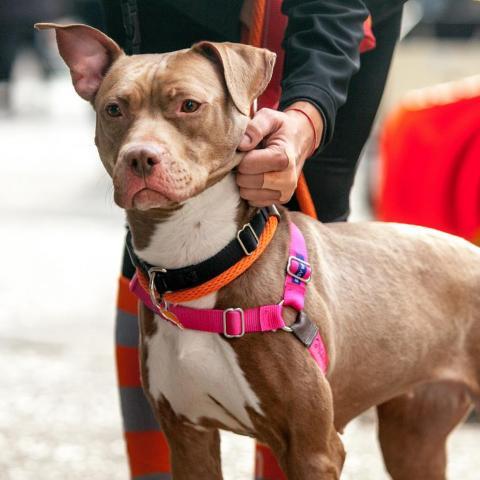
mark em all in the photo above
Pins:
pixel 261 204
pixel 286 196
pixel 260 195
pixel 284 181
pixel 262 124
pixel 250 181
pixel 270 159
pixel 281 181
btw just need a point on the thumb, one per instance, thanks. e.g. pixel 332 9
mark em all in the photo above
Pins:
pixel 264 123
pixel 246 143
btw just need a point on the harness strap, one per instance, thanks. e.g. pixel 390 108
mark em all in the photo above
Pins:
pixel 227 276
pixel 236 322
pixel 232 322
pixel 299 272
pixel 298 275
pixel 243 245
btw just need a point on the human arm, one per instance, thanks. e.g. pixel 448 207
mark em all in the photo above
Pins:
pixel 321 48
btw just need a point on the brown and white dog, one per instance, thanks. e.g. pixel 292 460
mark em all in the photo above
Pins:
pixel 398 306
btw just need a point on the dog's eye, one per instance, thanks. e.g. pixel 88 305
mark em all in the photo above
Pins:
pixel 190 106
pixel 113 109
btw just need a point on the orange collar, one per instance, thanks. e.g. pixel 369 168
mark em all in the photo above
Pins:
pixel 224 278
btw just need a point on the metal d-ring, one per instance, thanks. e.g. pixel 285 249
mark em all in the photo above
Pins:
pixel 285 328
pixel 160 303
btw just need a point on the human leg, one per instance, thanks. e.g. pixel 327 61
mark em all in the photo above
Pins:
pixel 147 449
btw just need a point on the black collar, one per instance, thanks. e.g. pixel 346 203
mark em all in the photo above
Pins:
pixel 244 244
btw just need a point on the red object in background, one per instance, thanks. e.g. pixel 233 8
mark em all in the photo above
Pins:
pixel 430 163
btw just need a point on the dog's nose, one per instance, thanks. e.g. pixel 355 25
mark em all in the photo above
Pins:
pixel 141 160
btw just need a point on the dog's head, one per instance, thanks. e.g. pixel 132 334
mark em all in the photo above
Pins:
pixel 168 125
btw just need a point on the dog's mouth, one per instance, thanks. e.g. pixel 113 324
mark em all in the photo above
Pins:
pixel 147 198
pixel 142 196
pixel 159 188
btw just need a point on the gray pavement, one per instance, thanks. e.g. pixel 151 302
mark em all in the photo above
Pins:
pixel 61 246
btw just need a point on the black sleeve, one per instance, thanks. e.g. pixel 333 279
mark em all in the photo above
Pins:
pixel 321 53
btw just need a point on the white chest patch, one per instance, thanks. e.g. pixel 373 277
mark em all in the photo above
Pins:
pixel 198 373
pixel 201 228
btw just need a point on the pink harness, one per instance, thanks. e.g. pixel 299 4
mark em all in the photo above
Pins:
pixel 236 322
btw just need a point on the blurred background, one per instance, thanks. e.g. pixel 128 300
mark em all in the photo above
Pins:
pixel 62 235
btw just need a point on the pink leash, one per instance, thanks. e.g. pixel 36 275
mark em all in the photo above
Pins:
pixel 236 322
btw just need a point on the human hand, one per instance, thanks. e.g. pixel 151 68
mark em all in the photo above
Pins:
pixel 269 174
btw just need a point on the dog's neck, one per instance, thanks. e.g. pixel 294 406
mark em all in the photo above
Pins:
pixel 198 230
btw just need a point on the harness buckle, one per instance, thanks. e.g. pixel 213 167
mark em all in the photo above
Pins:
pixel 304 270
pixel 159 302
pixel 225 323
pixel 247 228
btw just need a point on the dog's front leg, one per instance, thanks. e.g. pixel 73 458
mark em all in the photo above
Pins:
pixel 311 448
pixel 315 459
pixel 194 453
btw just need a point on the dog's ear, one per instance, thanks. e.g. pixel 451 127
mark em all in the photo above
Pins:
pixel 247 70
pixel 88 53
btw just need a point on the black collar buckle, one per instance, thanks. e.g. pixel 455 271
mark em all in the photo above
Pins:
pixel 247 237
pixel 243 244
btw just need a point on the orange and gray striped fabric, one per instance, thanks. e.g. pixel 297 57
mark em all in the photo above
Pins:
pixel 147 448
